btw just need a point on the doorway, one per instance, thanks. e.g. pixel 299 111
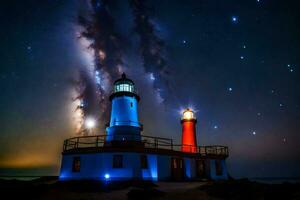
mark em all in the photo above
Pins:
pixel 177 169
pixel 200 168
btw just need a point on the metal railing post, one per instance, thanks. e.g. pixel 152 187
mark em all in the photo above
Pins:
pixel 97 141
pixel 77 142
pixel 65 145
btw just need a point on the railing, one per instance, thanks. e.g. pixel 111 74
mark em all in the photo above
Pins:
pixel 148 141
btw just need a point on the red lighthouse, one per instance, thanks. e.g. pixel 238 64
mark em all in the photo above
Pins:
pixel 189 141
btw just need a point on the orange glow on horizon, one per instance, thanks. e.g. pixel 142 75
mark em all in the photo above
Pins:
pixel 27 161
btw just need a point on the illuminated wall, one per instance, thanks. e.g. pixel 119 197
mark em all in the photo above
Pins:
pixel 124 111
pixel 99 166
pixel 189 141
pixel 190 168
pixel 124 124
pixel 212 169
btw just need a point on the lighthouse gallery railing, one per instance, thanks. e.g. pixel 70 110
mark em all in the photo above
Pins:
pixel 148 141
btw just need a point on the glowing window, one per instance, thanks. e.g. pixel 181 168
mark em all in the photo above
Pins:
pixel 180 163
pixel 174 160
pixel 121 87
pixel 76 164
pixel 124 88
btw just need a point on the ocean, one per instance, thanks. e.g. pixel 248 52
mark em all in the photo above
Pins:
pixel 276 180
pixel 20 178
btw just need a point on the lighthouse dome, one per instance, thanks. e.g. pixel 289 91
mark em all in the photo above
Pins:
pixel 188 114
pixel 124 84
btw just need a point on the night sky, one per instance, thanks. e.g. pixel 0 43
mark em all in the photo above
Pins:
pixel 236 63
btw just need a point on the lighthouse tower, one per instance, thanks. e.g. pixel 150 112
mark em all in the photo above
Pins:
pixel 189 141
pixel 124 124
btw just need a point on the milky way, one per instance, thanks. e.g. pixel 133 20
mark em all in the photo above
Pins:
pixel 107 47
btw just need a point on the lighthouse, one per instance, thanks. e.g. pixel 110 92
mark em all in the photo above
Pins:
pixel 188 122
pixel 124 123
pixel 123 153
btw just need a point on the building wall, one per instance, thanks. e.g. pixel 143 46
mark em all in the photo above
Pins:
pixel 98 165
pixel 86 171
pixel 124 111
pixel 211 169
pixel 190 168
pixel 164 167
pixel 151 173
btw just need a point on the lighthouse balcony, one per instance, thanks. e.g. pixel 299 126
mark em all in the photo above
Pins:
pixel 98 143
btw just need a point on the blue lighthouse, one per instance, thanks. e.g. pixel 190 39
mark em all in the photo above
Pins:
pixel 124 123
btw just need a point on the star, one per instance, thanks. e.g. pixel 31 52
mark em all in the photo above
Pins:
pixel 244 46
pixel 230 89
pixel 258 113
pixel 281 105
pixel 184 41
pixel 152 76
pixel 253 133
pixel 291 70
pixel 215 127
pixel 29 49
pixel 284 140
pixel 81 105
pixel 242 57
pixel 234 19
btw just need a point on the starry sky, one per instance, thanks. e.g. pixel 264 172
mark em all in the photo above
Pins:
pixel 236 63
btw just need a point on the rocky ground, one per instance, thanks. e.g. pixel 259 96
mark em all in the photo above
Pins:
pixel 49 188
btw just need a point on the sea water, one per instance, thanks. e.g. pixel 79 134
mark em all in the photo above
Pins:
pixel 20 178
pixel 277 180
